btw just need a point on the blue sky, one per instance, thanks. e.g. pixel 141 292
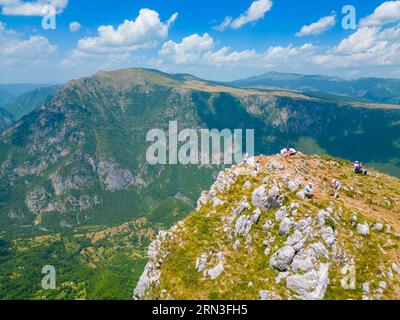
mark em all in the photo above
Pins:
pixel 219 40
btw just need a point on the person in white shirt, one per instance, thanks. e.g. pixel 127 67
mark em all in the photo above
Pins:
pixel 309 190
pixel 245 158
pixel 336 187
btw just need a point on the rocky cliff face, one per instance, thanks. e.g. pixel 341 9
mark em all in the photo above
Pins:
pixel 254 235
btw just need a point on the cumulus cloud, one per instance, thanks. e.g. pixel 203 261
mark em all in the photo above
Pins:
pixel 200 50
pixel 360 41
pixel 316 28
pixel 256 11
pixel 225 56
pixel 30 8
pixel 367 47
pixel 34 48
pixel 373 49
pixel 74 26
pixel 387 12
pixel 144 32
pixel 189 50
pixel 23 51
pixel 374 46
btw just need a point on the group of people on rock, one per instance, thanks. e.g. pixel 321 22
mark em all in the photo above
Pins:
pixel 359 169
pixel 256 165
pixel 288 152
pixel 309 188
pixel 336 185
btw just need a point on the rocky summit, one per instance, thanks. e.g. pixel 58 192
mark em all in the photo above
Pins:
pixel 255 235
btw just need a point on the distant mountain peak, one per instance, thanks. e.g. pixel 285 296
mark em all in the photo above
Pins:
pixel 364 89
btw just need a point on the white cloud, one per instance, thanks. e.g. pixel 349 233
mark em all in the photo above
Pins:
pixel 289 55
pixel 144 32
pixel 322 25
pixel 256 11
pixel 74 26
pixel 189 50
pixel 30 8
pixel 367 51
pixel 200 50
pixel 14 50
pixel 225 56
pixel 368 47
pixel 360 41
pixel 83 60
pixel 34 48
pixel 225 24
pixel 387 12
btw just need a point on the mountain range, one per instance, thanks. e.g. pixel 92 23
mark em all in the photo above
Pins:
pixel 26 102
pixel 364 89
pixel 18 100
pixel 9 92
pixel 75 163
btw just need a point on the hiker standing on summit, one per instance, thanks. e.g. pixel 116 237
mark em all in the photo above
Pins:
pixel 336 187
pixel 309 190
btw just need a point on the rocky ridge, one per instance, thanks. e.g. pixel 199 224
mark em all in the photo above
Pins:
pixel 255 236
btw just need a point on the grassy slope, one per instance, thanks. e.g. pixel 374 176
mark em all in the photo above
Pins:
pixel 376 198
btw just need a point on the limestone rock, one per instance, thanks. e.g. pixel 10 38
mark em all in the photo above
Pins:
pixel 301 195
pixel 296 241
pixel 201 262
pixel 294 185
pixel 216 271
pixel 282 258
pixel 303 261
pixel 37 200
pixel 328 235
pixel 217 202
pixel 267 199
pixel 267 225
pixel 285 227
pixel 363 228
pixel 247 185
pixel 148 280
pixel 310 286
pixel 267 295
pixel 280 214
pixel 113 177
